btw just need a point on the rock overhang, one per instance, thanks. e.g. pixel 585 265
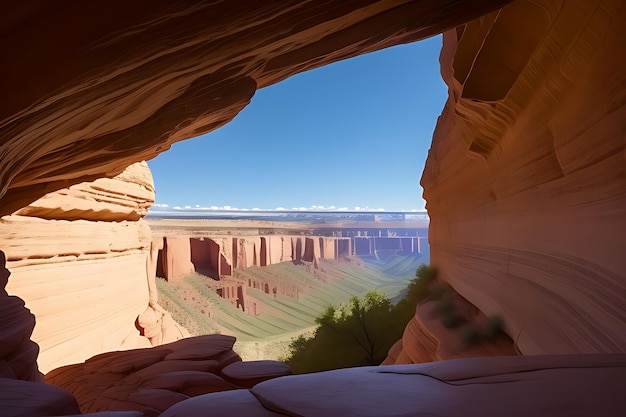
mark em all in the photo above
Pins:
pixel 90 89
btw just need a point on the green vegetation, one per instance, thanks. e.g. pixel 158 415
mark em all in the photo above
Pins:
pixel 359 332
pixel 494 327
pixel 194 303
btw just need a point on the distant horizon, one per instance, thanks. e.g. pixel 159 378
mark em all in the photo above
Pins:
pixel 352 135
pixel 158 208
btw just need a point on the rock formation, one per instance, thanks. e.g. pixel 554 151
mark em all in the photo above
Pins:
pixel 21 393
pixel 428 338
pixel 526 179
pixel 78 259
pixel 216 256
pixel 153 379
pixel 542 386
pixel 111 83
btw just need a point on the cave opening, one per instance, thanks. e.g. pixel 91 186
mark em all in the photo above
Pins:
pixel 348 136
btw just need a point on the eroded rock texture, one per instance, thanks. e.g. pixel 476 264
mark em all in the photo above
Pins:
pixel 84 276
pixel 175 257
pixel 151 380
pixel 550 386
pixel 429 337
pixel 526 178
pixel 91 88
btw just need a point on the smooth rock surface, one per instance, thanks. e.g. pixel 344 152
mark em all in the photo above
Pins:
pixel 125 81
pixel 517 386
pixel 153 379
pixel 525 181
pixel 234 403
pixel 249 373
pixel 543 386
pixel 78 258
pixel 34 399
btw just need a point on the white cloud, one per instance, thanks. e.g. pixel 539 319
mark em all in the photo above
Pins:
pixel 161 207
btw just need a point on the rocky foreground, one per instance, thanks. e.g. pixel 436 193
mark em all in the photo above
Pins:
pixel 525 187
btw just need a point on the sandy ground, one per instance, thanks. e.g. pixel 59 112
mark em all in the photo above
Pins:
pixel 274 347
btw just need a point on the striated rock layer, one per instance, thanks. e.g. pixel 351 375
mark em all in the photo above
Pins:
pixel 151 380
pixel 91 88
pixel 174 257
pixel 84 277
pixel 526 179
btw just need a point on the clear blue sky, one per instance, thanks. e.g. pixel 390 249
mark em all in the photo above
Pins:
pixel 351 134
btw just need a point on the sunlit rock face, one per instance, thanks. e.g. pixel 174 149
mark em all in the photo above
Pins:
pixel 526 179
pixel 215 255
pixel 92 87
pixel 78 257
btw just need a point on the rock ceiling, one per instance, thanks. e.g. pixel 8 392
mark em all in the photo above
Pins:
pixel 91 87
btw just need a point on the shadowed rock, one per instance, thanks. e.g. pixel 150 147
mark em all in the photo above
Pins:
pixel 151 380
pixel 543 386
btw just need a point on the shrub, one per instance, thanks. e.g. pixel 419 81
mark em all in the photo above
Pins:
pixel 494 327
pixel 444 306
pixel 451 320
pixel 417 289
pixel 470 334
pixel 437 291
pixel 357 333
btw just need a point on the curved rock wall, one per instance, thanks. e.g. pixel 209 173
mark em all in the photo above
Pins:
pixel 84 277
pixel 526 179
pixel 92 88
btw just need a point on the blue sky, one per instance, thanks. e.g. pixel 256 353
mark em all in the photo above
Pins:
pixel 353 134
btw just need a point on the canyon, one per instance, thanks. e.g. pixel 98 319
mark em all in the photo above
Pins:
pixel 525 186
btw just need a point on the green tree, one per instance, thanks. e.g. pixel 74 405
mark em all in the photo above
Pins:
pixel 360 332
pixel 357 333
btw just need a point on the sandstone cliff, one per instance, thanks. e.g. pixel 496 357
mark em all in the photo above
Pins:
pixel 78 258
pixel 92 88
pixel 175 256
pixel 526 179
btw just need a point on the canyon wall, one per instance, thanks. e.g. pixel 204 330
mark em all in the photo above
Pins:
pixel 217 256
pixel 78 257
pixel 92 88
pixel 526 179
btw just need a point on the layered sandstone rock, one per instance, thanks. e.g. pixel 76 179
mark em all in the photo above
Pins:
pixel 92 88
pixel 84 276
pixel 21 392
pixel 427 338
pixel 526 179
pixel 151 380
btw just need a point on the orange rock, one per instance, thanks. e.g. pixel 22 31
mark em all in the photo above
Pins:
pixel 525 180
pixel 124 92
pixel 85 276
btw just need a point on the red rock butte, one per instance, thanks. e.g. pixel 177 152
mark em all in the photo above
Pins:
pixel 525 185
